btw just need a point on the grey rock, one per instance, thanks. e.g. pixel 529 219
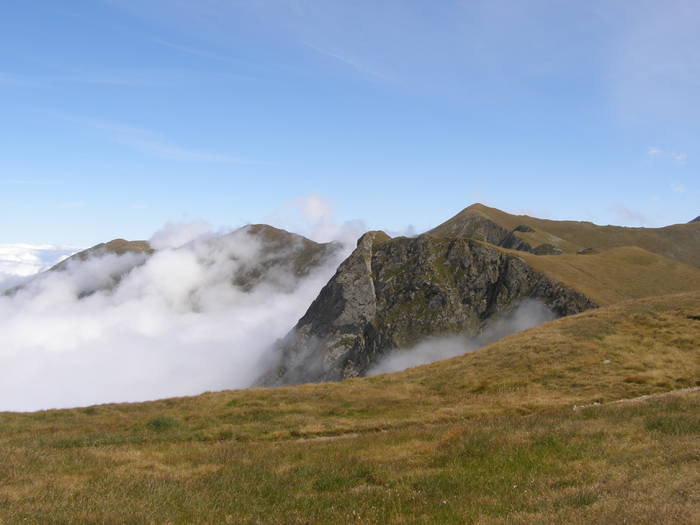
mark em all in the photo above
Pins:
pixel 547 249
pixel 391 293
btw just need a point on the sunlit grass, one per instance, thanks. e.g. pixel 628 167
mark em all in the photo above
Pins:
pixel 489 437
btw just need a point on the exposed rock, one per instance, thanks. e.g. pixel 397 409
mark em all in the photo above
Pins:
pixel 696 219
pixel 473 225
pixel 523 228
pixel 391 293
pixel 587 251
pixel 547 249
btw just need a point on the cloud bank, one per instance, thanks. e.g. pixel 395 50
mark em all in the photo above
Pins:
pixel 131 327
pixel 18 261
pixel 527 314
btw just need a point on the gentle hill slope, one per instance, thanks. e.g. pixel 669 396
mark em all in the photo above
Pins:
pixel 488 436
pixel 680 242
pixel 617 274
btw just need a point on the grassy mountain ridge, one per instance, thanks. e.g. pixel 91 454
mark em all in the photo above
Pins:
pixel 487 437
pixel 115 246
pixel 680 242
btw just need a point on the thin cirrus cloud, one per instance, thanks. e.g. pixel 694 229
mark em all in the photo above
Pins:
pixel 12 80
pixel 678 188
pixel 679 158
pixel 625 215
pixel 152 144
pixel 351 62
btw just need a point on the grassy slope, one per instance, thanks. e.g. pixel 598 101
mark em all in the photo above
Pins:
pixel 618 273
pixel 488 437
pixel 680 242
pixel 115 246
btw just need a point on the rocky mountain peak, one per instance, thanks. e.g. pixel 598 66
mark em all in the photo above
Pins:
pixel 475 223
pixel 392 293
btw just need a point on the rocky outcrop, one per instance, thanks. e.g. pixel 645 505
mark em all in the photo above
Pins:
pixel 391 293
pixel 696 219
pixel 547 249
pixel 477 226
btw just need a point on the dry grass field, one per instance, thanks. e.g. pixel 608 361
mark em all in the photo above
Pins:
pixel 617 274
pixel 488 437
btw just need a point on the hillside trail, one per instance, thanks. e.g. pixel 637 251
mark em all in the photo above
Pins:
pixel 356 434
pixel 640 398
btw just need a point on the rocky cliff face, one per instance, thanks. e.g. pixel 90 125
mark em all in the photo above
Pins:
pixel 390 293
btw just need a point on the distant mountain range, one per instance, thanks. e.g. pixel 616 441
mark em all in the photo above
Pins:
pixel 391 293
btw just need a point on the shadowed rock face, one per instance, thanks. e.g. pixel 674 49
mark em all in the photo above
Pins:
pixel 391 293
pixel 476 226
pixel 696 219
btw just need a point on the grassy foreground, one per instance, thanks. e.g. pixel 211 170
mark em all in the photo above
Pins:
pixel 488 437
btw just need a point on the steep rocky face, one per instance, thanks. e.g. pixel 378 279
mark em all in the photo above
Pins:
pixel 696 219
pixel 391 293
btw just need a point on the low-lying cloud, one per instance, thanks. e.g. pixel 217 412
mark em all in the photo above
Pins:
pixel 527 314
pixel 17 261
pixel 133 327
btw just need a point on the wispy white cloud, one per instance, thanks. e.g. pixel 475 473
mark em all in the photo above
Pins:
pixel 12 80
pixel 678 158
pixel 352 62
pixel 151 143
pixel 681 158
pixel 678 188
pixel 189 50
pixel 629 217
pixel 314 217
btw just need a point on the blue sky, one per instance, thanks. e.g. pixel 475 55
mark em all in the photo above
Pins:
pixel 120 115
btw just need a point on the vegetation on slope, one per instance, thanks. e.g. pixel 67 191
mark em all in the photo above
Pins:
pixel 116 247
pixel 617 274
pixel 487 437
pixel 680 242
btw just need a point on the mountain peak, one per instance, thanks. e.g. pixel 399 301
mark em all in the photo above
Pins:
pixel 696 219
